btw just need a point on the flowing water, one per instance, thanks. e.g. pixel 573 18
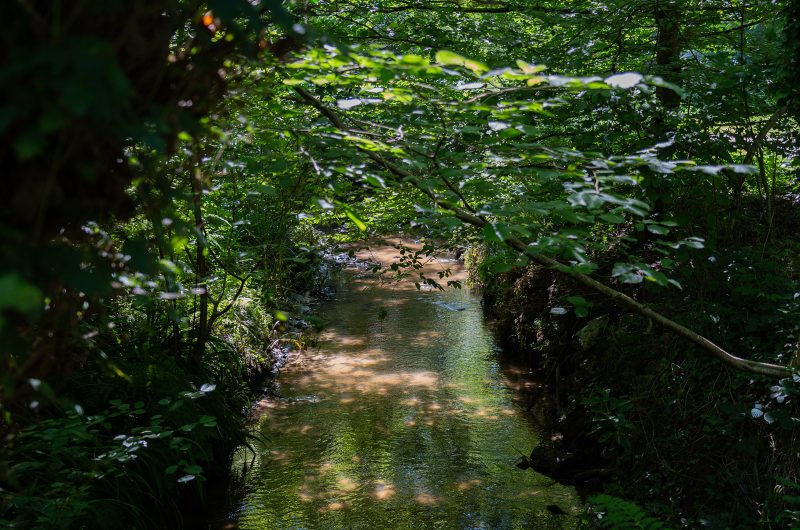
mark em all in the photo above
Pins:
pixel 400 417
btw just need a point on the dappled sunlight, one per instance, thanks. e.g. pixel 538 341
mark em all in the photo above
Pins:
pixel 528 494
pixel 343 341
pixel 383 417
pixel 365 381
pixel 298 429
pixel 302 430
pixel 334 506
pixel 487 413
pixel 426 499
pixel 323 467
pixel 468 484
pixel 346 485
pixel 431 266
pixel 347 361
pixel 425 337
pixel 278 456
pixel 347 374
pixel 383 491
pixel 305 494
pixel 424 380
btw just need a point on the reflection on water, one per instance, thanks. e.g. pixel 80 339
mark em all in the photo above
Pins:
pixel 399 423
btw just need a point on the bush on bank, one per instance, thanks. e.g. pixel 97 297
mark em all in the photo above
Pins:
pixel 689 440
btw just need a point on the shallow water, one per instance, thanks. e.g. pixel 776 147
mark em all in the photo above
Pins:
pixel 400 422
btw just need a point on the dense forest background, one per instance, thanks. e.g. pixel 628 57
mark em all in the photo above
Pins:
pixel 176 170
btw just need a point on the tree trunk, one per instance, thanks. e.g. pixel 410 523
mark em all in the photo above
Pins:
pixel 668 51
pixel 201 265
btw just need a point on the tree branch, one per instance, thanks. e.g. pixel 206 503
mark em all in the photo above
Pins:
pixel 762 134
pixel 216 314
pixel 772 370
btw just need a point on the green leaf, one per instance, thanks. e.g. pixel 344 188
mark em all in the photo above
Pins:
pixel 324 204
pixel 658 277
pixel 626 273
pixel 659 82
pixel 449 58
pixel 657 229
pixel 193 469
pixel 29 143
pixel 530 68
pixel 450 221
pixel 580 304
pixel 693 242
pixel 19 295
pixel 168 267
pixel 353 216
pixel 348 103
pixel 375 181
pixel 501 267
pixel 612 218
pixel 497 232
pixel 626 80
pixel 266 190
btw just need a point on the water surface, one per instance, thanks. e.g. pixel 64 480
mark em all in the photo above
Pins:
pixel 403 421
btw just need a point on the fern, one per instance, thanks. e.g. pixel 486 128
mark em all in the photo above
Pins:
pixel 619 513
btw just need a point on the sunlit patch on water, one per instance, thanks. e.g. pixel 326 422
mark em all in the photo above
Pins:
pixel 403 421
pixel 467 484
pixel 426 499
pixel 383 491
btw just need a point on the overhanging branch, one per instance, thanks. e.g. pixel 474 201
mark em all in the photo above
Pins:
pixel 772 370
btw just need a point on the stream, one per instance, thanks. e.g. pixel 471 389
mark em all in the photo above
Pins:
pixel 405 421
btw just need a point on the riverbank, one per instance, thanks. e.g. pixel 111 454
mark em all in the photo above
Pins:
pixel 641 416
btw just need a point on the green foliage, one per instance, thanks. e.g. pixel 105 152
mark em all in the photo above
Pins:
pixel 610 419
pixel 171 185
pixel 684 439
pixel 613 512
pixel 82 469
pixel 487 261
pixel 791 497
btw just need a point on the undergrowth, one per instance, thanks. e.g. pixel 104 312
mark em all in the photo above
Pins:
pixel 692 443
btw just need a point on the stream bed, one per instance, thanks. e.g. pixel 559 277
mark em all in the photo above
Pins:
pixel 399 417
